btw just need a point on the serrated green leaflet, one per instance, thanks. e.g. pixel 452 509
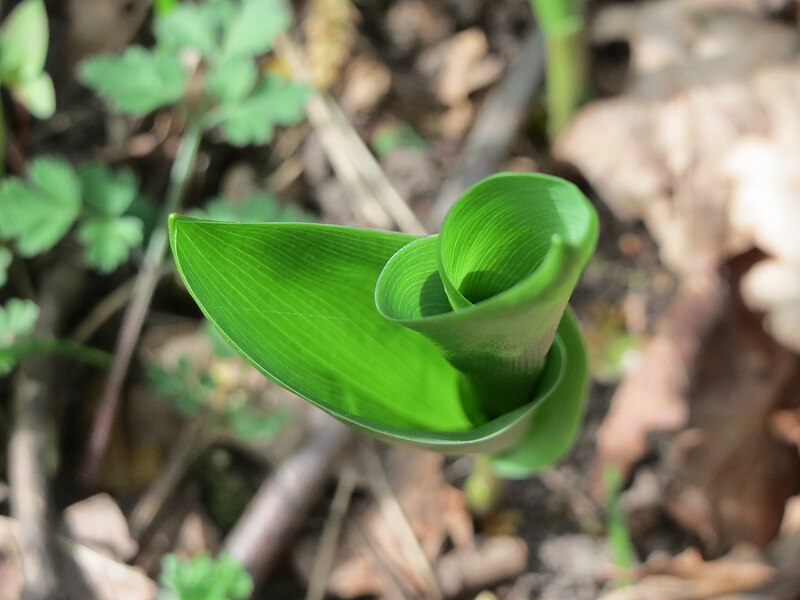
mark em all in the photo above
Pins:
pixel 38 213
pixel 108 240
pixel 275 101
pixel 5 262
pixel 457 342
pixel 23 42
pixel 138 81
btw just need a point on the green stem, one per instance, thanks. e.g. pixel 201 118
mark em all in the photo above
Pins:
pixel 483 488
pixel 2 141
pixel 562 23
pixel 39 346
pixel 140 302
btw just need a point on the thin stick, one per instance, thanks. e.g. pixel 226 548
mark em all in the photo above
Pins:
pixel 109 306
pixel 137 310
pixel 487 143
pixel 32 439
pixel 395 517
pixel 354 164
pixel 283 500
pixel 323 561
pixel 194 440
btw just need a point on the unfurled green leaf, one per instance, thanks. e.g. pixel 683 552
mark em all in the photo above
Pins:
pixel 38 212
pixel 181 383
pixel 230 81
pixel 17 318
pixel 164 7
pixel 189 25
pixel 254 26
pixel 138 81
pixel 457 342
pixel 106 192
pixel 204 578
pixel 261 208
pixel 109 240
pixel 23 42
pixel 5 262
pixel 249 425
pixel 37 95
pixel 275 101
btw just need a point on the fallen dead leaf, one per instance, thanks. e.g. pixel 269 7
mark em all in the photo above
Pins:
pixel 731 475
pixel 701 145
pixel 98 522
pixel 84 573
pixel 688 576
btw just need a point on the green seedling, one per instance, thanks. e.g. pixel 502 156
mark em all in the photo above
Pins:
pixel 460 342
pixel 204 578
pixel 237 97
pixel 23 49
pixel 392 137
pixel 196 391
pixel 619 537
pixel 561 23
pixel 38 211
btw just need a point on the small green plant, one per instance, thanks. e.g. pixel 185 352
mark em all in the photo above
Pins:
pixel 236 96
pixel 23 49
pixel 38 211
pixel 460 342
pixel 204 578
pixel 195 391
pixel 619 536
pixel 561 23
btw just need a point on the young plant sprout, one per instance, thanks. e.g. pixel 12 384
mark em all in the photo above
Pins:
pixel 460 342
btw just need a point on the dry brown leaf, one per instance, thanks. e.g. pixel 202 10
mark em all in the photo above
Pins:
pixel 702 146
pixel 653 396
pixel 84 573
pixel 460 65
pixel 732 476
pixel 98 522
pixel 366 83
pixel 688 576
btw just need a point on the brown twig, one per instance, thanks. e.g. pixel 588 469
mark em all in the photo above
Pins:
pixel 321 569
pixel 134 317
pixel 281 503
pixel 32 438
pixel 194 440
pixel 498 121
pixel 396 519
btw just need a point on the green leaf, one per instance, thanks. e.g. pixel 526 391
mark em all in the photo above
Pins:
pixel 276 101
pixel 38 213
pixel 33 346
pixel 37 95
pixel 5 262
pixel 232 80
pixel 138 81
pixel 254 26
pixel 259 208
pixel 204 578
pixel 23 42
pixel 17 318
pixel 106 192
pixel 109 240
pixel 468 346
pixel 189 25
